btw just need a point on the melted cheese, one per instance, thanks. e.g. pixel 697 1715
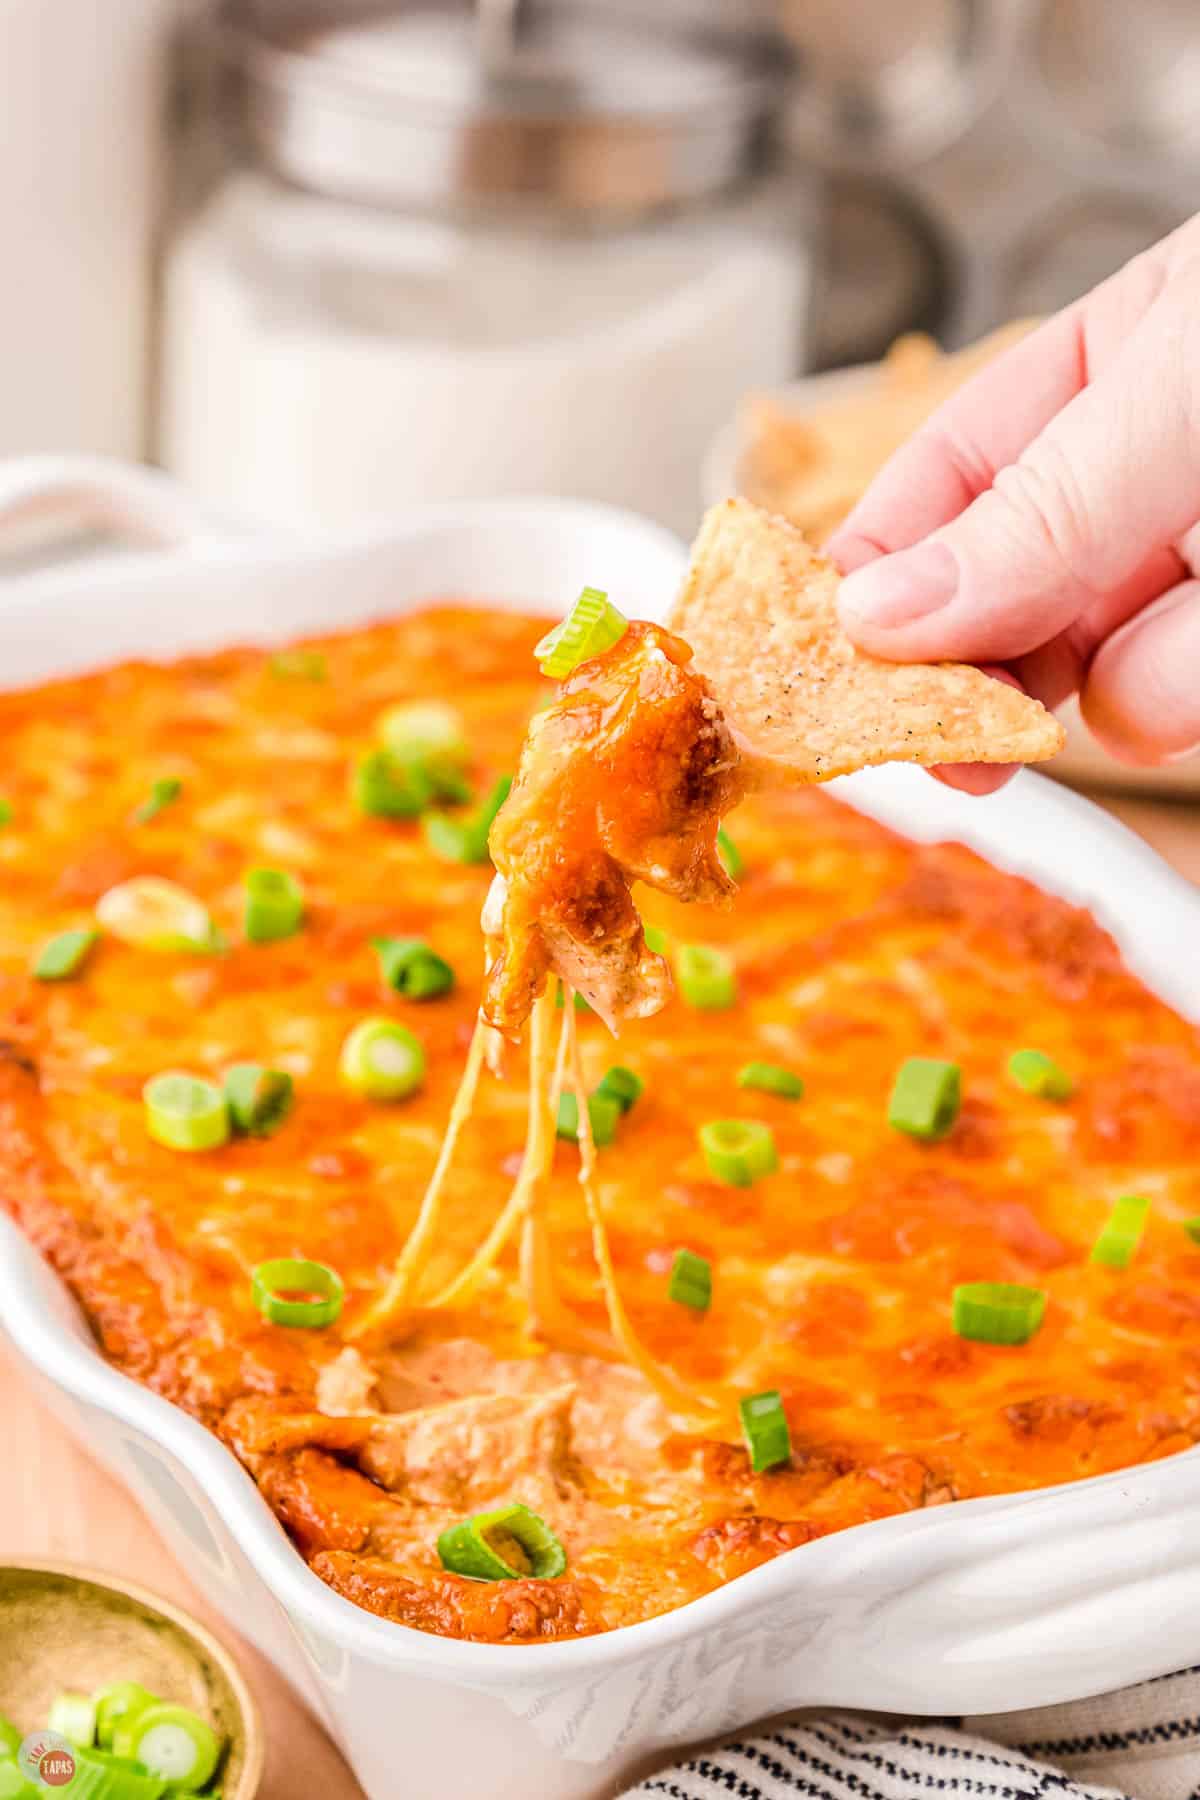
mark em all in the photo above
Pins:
pixel 832 1278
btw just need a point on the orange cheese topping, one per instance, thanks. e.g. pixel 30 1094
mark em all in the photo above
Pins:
pixel 832 1278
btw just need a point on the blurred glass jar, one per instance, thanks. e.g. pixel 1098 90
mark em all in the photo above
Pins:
pixel 444 252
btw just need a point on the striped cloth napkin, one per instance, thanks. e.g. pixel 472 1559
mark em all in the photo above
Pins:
pixel 1142 1742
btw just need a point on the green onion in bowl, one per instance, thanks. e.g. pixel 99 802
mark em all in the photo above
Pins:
pixel 170 1741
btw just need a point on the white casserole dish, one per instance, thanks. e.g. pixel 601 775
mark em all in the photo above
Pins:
pixel 986 1605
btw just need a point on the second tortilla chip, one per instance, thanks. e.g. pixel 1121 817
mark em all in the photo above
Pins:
pixel 758 607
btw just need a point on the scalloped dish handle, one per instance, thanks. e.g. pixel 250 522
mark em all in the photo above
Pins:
pixel 97 493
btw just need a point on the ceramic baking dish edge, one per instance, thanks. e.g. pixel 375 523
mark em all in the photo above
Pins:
pixel 990 1604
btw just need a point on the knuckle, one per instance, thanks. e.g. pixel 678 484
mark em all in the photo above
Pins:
pixel 1045 509
pixel 951 447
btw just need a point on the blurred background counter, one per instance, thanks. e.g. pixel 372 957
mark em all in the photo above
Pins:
pixel 322 257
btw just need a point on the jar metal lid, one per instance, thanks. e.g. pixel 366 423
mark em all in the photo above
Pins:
pixel 432 102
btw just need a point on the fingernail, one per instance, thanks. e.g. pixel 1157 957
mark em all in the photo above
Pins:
pixel 895 590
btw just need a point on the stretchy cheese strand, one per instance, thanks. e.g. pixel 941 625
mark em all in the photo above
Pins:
pixel 548 1317
pixel 407 1272
pixel 672 1392
pixel 466 1283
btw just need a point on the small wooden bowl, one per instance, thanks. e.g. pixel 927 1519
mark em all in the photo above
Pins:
pixel 68 1628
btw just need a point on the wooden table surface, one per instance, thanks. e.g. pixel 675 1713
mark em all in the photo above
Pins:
pixel 54 1504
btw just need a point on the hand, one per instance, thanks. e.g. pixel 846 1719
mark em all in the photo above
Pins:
pixel 1047 518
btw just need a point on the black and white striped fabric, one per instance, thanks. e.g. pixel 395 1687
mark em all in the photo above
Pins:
pixel 1142 1743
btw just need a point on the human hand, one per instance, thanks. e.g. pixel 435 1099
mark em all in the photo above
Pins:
pixel 1046 519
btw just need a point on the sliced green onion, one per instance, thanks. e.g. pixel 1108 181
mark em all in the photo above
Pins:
pixel 427 731
pixel 299 665
pixel 592 626
pixel 731 856
pixel 738 1151
pixel 428 738
pixel 63 956
pixel 6 811
pixel 185 1113
pixel 691 1281
pixel 274 906
pixel 259 1099
pixel 10 1737
pixel 74 1716
pixel 466 840
pixel 997 1312
pixel 1118 1242
pixel 505 1544
pixel 411 968
pixel 925 1098
pixel 621 1085
pixel 384 786
pixel 1039 1074
pixel 1192 1227
pixel 116 1702
pixel 454 840
pixel 383 1060
pixel 581 1005
pixel 706 977
pixel 99 1775
pixel 765 1429
pixel 290 1290
pixel 163 793
pixel 770 1078
pixel 171 1741
pixel 449 785
pixel 499 793
pixel 603 1110
pixel 656 939
pixel 154 914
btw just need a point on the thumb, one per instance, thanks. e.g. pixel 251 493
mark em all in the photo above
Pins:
pixel 1112 479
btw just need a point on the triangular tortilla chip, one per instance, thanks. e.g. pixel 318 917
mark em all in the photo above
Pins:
pixel 758 608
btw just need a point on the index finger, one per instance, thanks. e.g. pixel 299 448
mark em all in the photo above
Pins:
pixel 956 454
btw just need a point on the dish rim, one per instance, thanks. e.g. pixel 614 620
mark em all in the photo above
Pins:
pixel 59 1346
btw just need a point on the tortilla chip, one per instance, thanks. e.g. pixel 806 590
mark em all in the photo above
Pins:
pixel 758 609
